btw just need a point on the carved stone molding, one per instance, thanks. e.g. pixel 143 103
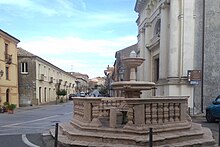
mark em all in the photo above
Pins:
pixel 147 24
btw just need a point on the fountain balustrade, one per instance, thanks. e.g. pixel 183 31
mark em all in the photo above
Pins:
pixel 157 112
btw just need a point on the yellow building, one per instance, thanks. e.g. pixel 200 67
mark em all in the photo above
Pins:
pixel 8 69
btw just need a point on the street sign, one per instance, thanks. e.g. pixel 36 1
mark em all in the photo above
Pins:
pixel 194 76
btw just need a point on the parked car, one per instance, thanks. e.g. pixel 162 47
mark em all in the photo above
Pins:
pixel 213 111
pixel 71 96
pixel 82 94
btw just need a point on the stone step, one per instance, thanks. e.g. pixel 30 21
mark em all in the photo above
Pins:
pixel 196 135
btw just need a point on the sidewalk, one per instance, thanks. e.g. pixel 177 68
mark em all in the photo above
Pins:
pixel 38 106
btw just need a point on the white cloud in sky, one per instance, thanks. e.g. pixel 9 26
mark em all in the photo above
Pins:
pixel 44 45
pixel 55 7
pixel 83 54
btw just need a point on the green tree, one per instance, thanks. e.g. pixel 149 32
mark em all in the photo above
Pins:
pixel 61 92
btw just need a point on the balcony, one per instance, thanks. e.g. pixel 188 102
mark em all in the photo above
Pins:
pixel 51 80
pixel 41 77
pixel 8 59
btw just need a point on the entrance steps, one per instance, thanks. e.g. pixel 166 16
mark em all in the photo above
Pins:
pixel 71 135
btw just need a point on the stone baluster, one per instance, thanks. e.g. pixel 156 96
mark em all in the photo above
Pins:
pixel 171 112
pixel 166 112
pixel 154 113
pixel 148 114
pixel 81 109
pixel 160 113
pixel 130 115
pixel 75 108
pixel 177 112
pixel 95 115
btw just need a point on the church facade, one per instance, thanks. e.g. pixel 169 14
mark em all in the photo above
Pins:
pixel 179 49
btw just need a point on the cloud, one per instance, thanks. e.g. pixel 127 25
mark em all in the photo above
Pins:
pixel 85 55
pixel 49 8
pixel 54 45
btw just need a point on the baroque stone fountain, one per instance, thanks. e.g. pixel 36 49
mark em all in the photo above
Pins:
pixel 97 121
pixel 132 88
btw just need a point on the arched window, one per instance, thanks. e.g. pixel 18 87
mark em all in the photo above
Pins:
pixel 157 28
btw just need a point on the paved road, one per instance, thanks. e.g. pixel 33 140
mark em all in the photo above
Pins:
pixel 25 127
pixel 214 127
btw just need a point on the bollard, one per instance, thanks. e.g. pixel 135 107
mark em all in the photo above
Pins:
pixel 219 134
pixel 151 137
pixel 56 135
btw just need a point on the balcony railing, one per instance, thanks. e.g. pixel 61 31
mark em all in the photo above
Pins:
pixel 8 59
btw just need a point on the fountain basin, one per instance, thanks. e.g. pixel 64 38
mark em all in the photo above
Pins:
pixel 133 62
pixel 133 85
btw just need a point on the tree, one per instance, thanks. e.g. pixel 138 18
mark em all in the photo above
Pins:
pixel 103 90
pixel 61 92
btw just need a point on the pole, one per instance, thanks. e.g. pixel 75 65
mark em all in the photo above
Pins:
pixel 203 56
pixel 56 135
pixel 150 137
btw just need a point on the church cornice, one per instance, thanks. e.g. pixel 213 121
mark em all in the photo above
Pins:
pixel 140 4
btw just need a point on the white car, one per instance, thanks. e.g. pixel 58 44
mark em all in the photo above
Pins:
pixel 82 94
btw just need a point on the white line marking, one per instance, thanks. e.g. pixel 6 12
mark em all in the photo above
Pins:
pixel 29 121
pixel 10 125
pixel 67 113
pixel 27 142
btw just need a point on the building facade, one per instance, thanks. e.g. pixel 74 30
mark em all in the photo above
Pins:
pixel 82 82
pixel 166 41
pixel 120 72
pixel 207 51
pixel 8 69
pixel 176 38
pixel 39 80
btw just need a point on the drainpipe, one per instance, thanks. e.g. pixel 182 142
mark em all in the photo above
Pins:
pixel 203 51
pixel 181 38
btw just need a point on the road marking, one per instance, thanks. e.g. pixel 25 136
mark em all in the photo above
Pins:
pixel 10 125
pixel 30 121
pixel 27 142
pixel 67 113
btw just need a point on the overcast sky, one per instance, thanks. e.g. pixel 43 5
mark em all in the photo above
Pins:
pixel 74 35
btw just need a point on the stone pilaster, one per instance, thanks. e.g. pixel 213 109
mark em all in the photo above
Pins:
pixel 173 65
pixel 141 46
pixel 164 37
pixel 147 62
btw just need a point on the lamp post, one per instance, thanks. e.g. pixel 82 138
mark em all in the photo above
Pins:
pixel 108 73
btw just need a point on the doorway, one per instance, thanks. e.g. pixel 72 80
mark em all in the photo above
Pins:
pixel 7 95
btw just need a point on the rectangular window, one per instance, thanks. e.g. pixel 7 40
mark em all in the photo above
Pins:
pixel 24 67
pixel 7 73
pixel 6 48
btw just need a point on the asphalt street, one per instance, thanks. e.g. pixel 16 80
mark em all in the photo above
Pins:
pixel 214 127
pixel 29 126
